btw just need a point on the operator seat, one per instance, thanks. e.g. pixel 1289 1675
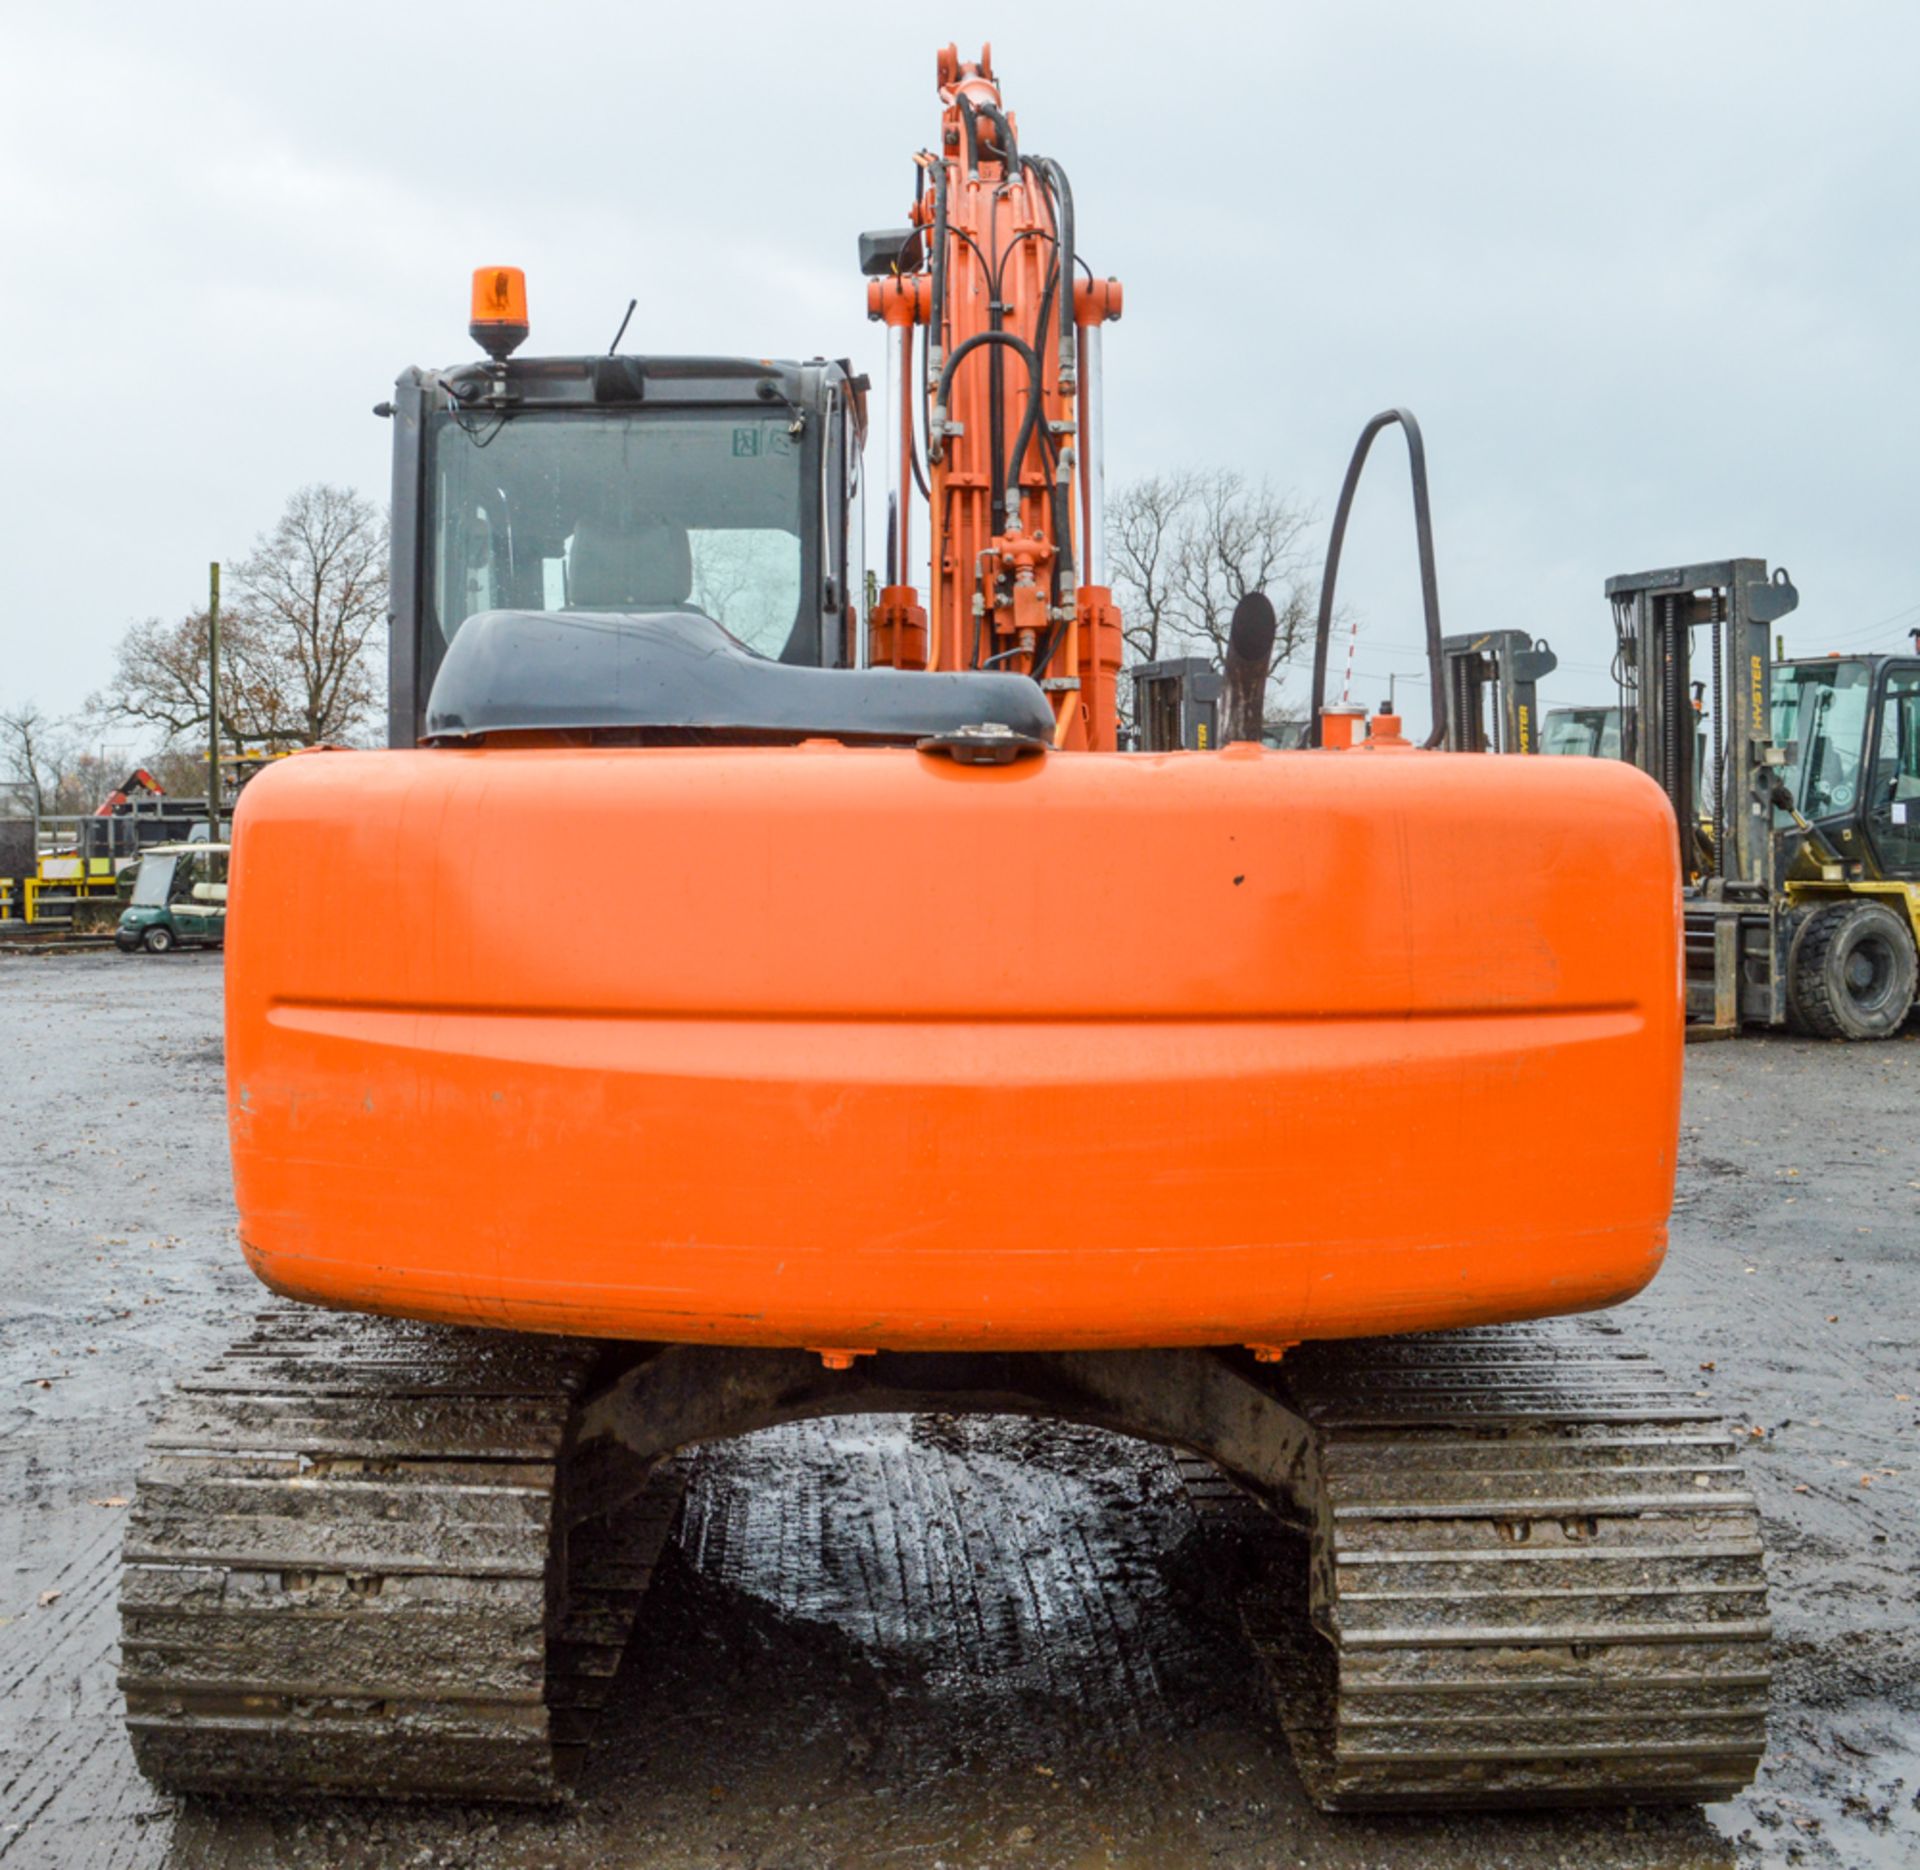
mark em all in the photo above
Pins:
pixel 631 562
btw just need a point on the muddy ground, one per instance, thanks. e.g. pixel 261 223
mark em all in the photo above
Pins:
pixel 922 1642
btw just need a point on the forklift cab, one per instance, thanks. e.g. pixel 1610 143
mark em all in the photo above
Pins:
pixel 1848 730
pixel 1594 732
pixel 179 899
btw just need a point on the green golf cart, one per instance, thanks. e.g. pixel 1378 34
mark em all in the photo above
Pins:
pixel 179 899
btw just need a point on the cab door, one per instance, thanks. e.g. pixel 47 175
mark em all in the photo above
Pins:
pixel 1893 789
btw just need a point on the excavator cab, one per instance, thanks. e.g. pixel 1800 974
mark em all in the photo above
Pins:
pixel 723 488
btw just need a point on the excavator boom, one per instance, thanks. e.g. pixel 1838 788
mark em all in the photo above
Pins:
pixel 1003 399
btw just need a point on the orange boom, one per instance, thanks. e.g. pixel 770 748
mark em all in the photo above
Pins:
pixel 756 1003
pixel 1009 394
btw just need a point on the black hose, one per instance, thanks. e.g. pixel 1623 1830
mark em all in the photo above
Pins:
pixel 1026 233
pixel 972 344
pixel 914 445
pixel 1429 580
pixel 1051 179
pixel 1009 149
pixel 1035 419
pixel 936 325
pixel 967 119
pixel 1035 407
pixel 993 338
pixel 1063 219
pixel 997 474
pixel 1060 203
pixel 937 268
pixel 938 258
pixel 1060 206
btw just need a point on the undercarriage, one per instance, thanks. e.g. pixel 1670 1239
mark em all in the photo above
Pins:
pixel 403 1560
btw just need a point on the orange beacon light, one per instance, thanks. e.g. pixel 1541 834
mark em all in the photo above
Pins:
pixel 499 322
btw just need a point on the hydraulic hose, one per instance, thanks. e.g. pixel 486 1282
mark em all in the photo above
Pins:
pixel 999 475
pixel 937 322
pixel 967 119
pixel 1009 149
pixel 1051 180
pixel 1031 421
pixel 1060 200
pixel 1063 210
pixel 1429 580
pixel 1035 409
pixel 972 344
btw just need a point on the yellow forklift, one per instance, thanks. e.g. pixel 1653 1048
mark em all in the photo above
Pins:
pixel 1802 859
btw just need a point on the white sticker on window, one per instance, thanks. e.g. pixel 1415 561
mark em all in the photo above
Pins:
pixel 1900 812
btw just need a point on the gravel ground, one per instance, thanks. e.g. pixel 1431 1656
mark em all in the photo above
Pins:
pixel 932 1642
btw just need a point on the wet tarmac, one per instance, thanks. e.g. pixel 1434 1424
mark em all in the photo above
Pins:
pixel 926 1641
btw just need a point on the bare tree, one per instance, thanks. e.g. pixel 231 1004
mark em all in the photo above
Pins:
pixel 178 770
pixel 1186 547
pixel 299 642
pixel 60 767
pixel 1145 521
pixel 87 778
pixel 314 596
pixel 160 681
pixel 37 754
pixel 52 767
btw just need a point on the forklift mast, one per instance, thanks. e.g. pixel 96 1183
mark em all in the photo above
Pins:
pixel 1176 703
pixel 1738 932
pixel 1509 663
pixel 1726 840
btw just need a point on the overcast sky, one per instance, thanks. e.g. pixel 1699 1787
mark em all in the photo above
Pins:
pixel 1647 274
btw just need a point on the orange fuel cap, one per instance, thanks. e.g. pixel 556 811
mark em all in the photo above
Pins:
pixel 499 321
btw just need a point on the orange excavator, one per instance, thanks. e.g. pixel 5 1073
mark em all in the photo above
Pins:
pixel 784 1006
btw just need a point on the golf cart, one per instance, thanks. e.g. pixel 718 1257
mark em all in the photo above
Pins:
pixel 179 899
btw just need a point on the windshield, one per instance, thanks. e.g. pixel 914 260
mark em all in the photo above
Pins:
pixel 627 511
pixel 1820 726
pixel 1593 731
pixel 153 881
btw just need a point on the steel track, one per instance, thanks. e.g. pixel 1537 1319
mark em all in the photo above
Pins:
pixel 1533 1562
pixel 1537 1573
pixel 349 1568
